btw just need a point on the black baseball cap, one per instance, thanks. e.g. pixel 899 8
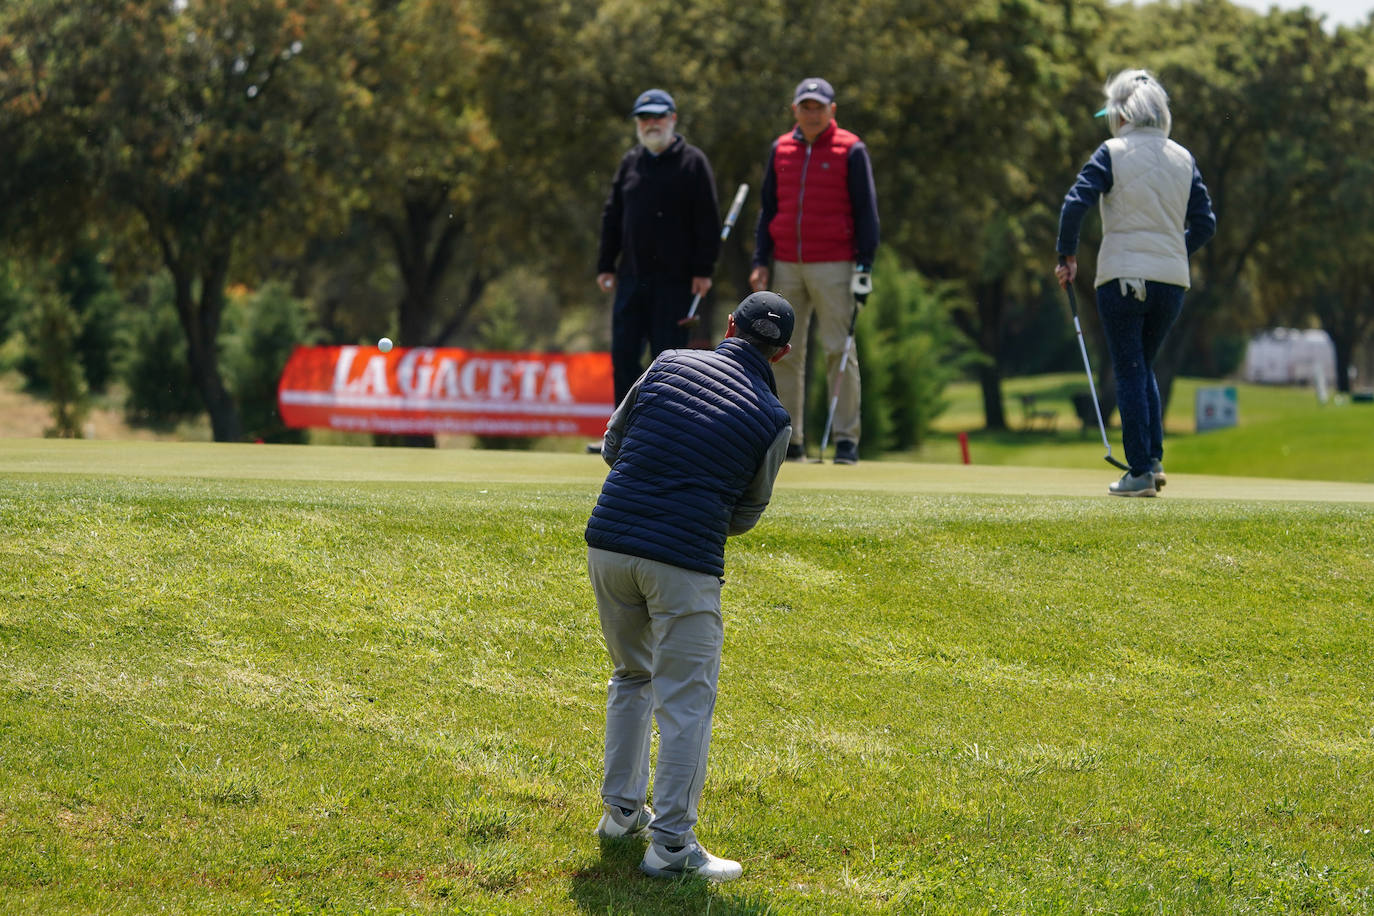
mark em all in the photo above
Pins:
pixel 766 317
pixel 813 87
pixel 653 102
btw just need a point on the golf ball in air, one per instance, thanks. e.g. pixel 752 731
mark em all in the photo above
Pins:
pixel 384 345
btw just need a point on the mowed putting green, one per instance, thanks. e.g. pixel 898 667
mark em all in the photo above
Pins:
pixel 256 679
pixel 156 460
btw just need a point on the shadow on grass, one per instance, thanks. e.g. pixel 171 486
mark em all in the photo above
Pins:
pixel 613 883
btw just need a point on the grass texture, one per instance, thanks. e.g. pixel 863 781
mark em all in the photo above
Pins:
pixel 256 679
pixel 1282 431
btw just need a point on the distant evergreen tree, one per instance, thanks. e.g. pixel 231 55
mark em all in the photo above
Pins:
pixel 263 328
pixel 53 329
pixel 152 362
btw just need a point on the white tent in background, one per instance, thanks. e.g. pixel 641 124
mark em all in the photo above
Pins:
pixel 1287 356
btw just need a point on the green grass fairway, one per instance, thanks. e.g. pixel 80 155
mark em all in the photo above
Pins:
pixel 1282 432
pixel 257 679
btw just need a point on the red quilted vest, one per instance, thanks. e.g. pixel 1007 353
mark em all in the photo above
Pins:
pixel 815 220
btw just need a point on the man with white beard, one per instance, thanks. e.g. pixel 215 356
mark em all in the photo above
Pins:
pixel 660 237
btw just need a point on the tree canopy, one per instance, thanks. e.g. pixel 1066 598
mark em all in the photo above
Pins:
pixel 427 149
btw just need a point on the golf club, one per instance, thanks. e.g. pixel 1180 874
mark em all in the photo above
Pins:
pixel 730 218
pixel 835 383
pixel 1092 388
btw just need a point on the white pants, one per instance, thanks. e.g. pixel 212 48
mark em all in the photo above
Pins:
pixel 823 289
pixel 664 632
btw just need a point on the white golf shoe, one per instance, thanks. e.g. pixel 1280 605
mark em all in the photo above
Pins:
pixel 1157 469
pixel 661 862
pixel 1131 485
pixel 622 822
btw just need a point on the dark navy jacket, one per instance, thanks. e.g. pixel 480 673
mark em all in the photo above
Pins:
pixel 662 217
pixel 694 449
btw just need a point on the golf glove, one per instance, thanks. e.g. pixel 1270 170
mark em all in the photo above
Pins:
pixel 1133 288
pixel 862 283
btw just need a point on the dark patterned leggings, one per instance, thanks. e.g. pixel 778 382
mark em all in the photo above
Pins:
pixel 1134 331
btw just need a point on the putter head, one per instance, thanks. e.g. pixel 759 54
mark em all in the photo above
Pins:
pixel 1112 461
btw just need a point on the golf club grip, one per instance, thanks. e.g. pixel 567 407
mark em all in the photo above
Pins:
pixel 1068 288
pixel 735 207
pixel 696 300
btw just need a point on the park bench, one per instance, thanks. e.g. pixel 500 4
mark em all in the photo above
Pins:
pixel 1087 415
pixel 1035 417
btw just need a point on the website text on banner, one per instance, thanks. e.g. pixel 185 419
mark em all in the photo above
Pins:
pixel 423 390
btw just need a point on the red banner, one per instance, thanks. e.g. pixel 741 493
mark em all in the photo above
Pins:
pixel 420 390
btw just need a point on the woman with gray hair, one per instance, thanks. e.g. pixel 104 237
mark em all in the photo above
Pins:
pixel 1155 213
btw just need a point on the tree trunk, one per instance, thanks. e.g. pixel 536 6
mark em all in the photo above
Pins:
pixel 990 381
pixel 201 324
pixel 424 243
pixel 424 256
pixel 990 298
pixel 1106 391
pixel 1345 349
pixel 1342 323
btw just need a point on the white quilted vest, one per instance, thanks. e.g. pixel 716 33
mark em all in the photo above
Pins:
pixel 1143 214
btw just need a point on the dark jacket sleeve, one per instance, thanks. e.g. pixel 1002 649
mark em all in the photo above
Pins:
pixel 863 198
pixel 705 218
pixel 768 196
pixel 612 225
pixel 1201 222
pixel 1094 181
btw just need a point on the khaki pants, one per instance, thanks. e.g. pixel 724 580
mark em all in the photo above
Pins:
pixel 664 632
pixel 823 289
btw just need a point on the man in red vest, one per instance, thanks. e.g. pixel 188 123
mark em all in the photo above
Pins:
pixel 819 226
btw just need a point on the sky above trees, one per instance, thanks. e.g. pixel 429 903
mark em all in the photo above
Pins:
pixel 1337 12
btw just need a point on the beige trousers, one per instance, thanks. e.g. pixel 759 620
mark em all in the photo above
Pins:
pixel 821 289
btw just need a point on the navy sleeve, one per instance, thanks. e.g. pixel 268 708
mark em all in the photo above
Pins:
pixel 1201 222
pixel 768 195
pixel 611 230
pixel 1094 181
pixel 864 200
pixel 705 219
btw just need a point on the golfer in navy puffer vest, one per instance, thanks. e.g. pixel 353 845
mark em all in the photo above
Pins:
pixel 694 449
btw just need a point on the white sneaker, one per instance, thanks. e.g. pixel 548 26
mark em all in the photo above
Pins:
pixel 1157 469
pixel 659 862
pixel 1131 485
pixel 621 822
